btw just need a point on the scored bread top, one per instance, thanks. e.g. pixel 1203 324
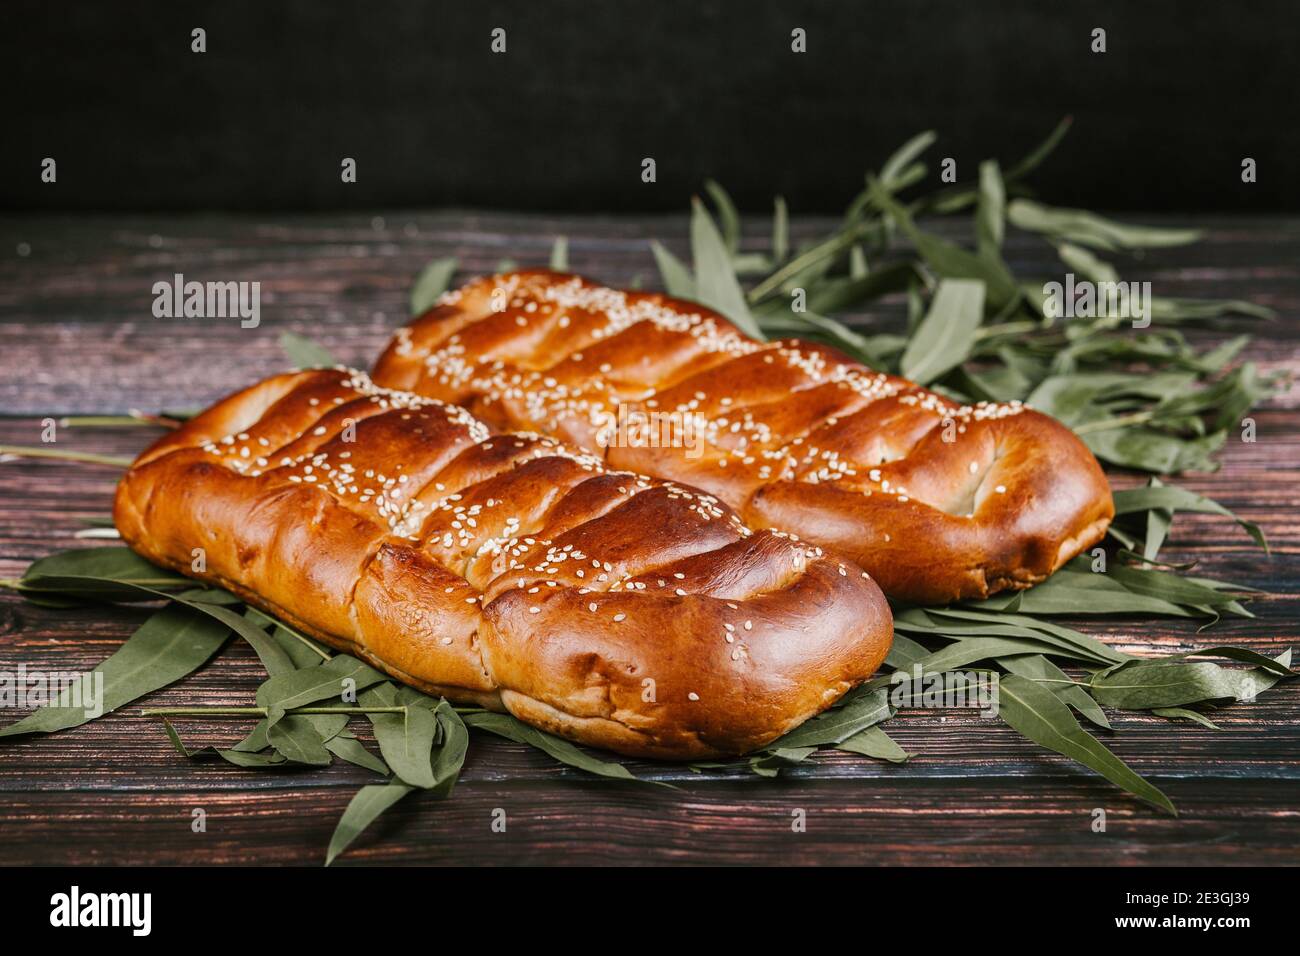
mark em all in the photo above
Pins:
pixel 617 610
pixel 938 501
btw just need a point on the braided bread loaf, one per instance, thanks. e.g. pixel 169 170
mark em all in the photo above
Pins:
pixel 632 614
pixel 938 502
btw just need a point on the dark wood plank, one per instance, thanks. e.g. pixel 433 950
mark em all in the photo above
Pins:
pixel 77 336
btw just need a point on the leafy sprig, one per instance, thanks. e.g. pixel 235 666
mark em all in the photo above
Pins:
pixel 975 331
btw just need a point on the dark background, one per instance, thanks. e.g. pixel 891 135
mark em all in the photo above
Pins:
pixel 587 89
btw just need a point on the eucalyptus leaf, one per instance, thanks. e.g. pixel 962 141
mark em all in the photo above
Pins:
pixel 1046 720
pixel 560 254
pixel 947 333
pixel 771 762
pixel 990 213
pixel 891 171
pixel 1036 667
pixel 354 752
pixel 364 808
pixel 780 230
pixel 677 279
pixel 1143 685
pixel 296 739
pixel 115 563
pixel 874 742
pixel 172 643
pixel 504 725
pixel 1089 229
pixel 715 281
pixel 304 353
pixel 302 687
pixel 431 283
pixel 236 757
pixel 728 217
pixel 862 710
pixel 1184 713
pixel 1173 498
pixel 406 740
pixel 452 747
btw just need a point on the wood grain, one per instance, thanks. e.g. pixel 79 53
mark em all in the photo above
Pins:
pixel 77 336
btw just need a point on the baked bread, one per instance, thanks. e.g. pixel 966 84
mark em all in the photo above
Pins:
pixel 938 502
pixel 500 569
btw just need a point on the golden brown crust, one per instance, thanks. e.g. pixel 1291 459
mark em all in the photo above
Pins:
pixel 501 569
pixel 937 501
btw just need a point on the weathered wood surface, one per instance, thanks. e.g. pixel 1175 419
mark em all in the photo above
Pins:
pixel 77 336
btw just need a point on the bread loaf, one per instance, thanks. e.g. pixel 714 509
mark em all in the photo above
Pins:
pixel 501 569
pixel 938 501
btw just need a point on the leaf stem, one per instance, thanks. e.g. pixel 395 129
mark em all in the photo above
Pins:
pixel 21 451
pixel 830 246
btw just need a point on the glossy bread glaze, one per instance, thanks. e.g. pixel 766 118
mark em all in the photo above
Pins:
pixel 937 501
pixel 502 569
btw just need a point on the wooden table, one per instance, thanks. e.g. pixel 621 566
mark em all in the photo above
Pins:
pixel 77 336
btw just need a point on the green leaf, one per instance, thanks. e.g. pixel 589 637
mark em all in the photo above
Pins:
pixel 363 810
pixel 715 281
pixel 406 740
pixel 1082 262
pixel 677 279
pixel 560 254
pixel 1149 450
pixel 861 710
pixel 273 656
pixel 172 643
pixel 947 333
pixel 1143 685
pixel 1036 667
pixel 990 214
pixel 874 742
pixel 114 563
pixel 236 757
pixel 891 173
pixel 771 762
pixel 302 650
pixel 1089 229
pixel 452 747
pixel 1182 310
pixel 354 752
pixel 834 295
pixel 431 283
pixel 1173 498
pixel 1045 719
pixel 1172 681
pixel 1073 642
pixel 950 261
pixel 904 652
pixel 302 687
pixel 1039 153
pixel 969 650
pixel 1183 713
pixel 728 217
pixel 294 737
pixel 504 725
pixel 780 230
pixel 117 589
pixel 304 353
